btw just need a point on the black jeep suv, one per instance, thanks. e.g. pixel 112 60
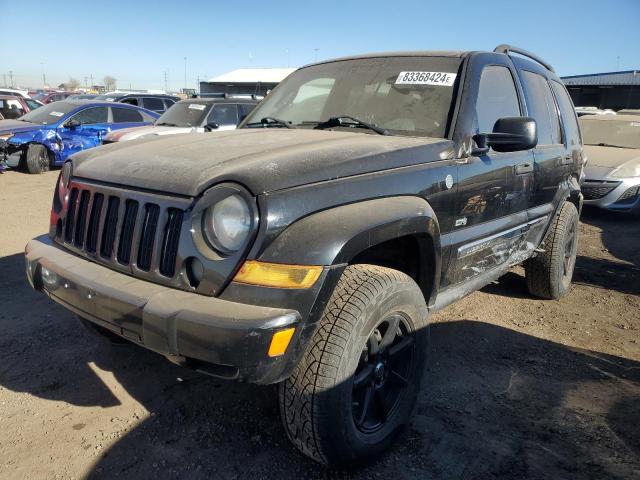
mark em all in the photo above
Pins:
pixel 308 247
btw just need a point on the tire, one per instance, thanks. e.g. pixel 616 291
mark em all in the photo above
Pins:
pixel 549 273
pixel 102 334
pixel 323 404
pixel 38 160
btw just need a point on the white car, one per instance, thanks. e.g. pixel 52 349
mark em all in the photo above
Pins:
pixel 14 92
pixel 191 116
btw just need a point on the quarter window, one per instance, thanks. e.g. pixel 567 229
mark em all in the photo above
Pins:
pixel 497 97
pixel 89 116
pixel 571 129
pixel 126 115
pixel 542 107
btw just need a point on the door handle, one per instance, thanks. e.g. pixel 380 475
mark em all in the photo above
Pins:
pixel 524 168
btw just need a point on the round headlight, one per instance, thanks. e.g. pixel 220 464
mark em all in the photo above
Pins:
pixel 227 223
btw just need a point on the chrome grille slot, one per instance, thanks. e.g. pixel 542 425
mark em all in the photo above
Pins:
pixel 170 241
pixel 71 212
pixel 109 229
pixel 149 226
pixel 81 219
pixel 94 223
pixel 126 233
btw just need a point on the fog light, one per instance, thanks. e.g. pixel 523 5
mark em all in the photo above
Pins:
pixel 49 279
pixel 280 342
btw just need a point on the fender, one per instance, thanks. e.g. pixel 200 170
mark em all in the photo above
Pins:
pixel 337 235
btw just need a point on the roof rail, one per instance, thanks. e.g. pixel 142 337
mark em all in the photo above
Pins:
pixel 505 48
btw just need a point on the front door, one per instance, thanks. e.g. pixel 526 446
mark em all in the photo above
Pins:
pixel 89 126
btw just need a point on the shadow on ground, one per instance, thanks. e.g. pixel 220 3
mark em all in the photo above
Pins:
pixel 495 404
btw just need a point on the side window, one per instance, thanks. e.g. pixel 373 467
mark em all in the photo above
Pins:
pixel 89 116
pixel 244 109
pixel 224 114
pixel 130 101
pixel 126 115
pixel 542 107
pixel 11 109
pixel 497 97
pixel 153 104
pixel 565 104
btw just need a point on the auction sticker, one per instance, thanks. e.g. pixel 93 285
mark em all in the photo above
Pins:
pixel 426 78
pixel 56 114
pixel 197 106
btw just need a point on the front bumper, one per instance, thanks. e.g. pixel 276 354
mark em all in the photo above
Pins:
pixel 219 337
pixel 615 189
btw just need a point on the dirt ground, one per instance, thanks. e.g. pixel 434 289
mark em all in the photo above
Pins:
pixel 516 387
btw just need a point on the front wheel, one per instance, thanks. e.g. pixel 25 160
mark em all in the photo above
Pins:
pixel 38 160
pixel 357 383
pixel 549 274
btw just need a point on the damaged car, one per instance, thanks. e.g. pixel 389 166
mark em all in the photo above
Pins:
pixel 308 247
pixel 612 174
pixel 46 137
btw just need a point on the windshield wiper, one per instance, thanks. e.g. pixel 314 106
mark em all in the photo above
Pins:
pixel 352 122
pixel 272 122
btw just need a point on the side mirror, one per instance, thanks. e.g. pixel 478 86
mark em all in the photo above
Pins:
pixel 211 126
pixel 510 134
pixel 72 124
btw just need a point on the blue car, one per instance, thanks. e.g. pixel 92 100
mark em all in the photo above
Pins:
pixel 46 137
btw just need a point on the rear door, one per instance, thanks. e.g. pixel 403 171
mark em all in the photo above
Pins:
pixel 123 117
pixel 550 154
pixel 154 104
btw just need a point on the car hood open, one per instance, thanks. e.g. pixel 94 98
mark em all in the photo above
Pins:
pixel 263 160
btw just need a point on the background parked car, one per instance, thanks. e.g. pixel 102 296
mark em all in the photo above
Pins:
pixel 12 106
pixel 151 101
pixel 50 97
pixel 83 96
pixel 45 137
pixel 14 92
pixel 581 111
pixel 612 146
pixel 191 116
pixel 629 111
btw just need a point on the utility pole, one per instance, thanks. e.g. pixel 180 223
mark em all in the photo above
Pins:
pixel 185 73
pixel 4 79
pixel 11 77
pixel 85 81
pixel 165 81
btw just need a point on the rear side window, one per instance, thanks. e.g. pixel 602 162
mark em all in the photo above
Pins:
pixel 154 104
pixel 542 107
pixel 565 104
pixel 130 101
pixel 497 97
pixel 224 114
pixel 126 115
pixel 89 116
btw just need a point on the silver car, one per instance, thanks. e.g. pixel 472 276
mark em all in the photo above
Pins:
pixel 612 174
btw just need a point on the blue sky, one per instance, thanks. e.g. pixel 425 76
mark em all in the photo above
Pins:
pixel 136 42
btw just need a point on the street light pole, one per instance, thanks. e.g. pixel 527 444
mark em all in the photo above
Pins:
pixel 185 73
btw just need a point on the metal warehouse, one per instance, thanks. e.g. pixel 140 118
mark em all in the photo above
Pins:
pixel 615 90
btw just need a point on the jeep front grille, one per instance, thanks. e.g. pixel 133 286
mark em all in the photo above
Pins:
pixel 128 230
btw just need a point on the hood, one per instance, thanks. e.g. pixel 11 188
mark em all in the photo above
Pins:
pixel 132 133
pixel 601 161
pixel 263 160
pixel 16 126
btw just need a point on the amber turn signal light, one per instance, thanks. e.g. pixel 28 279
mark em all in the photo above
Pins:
pixel 278 275
pixel 280 342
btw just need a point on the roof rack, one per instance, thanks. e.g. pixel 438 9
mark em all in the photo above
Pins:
pixel 505 48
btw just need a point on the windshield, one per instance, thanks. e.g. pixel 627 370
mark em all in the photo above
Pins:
pixel 616 133
pixel 184 114
pixel 49 114
pixel 406 95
